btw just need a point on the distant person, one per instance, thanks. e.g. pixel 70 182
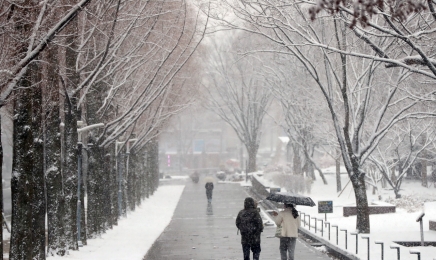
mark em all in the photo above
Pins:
pixel 195 177
pixel 209 189
pixel 250 223
pixel 290 222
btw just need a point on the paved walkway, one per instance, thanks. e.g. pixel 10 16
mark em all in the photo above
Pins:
pixel 202 231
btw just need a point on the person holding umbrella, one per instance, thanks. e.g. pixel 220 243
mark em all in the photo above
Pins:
pixel 289 220
pixel 209 189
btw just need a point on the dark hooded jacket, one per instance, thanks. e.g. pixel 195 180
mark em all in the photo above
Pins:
pixel 249 222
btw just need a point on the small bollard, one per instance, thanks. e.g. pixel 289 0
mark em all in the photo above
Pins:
pixel 346 240
pixel 382 248
pixel 322 227
pixel 366 237
pixel 417 252
pixel 398 250
pixel 336 226
pixel 328 224
pixel 357 242
pixel 315 223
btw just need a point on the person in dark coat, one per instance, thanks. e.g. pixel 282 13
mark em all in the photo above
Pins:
pixel 209 189
pixel 250 223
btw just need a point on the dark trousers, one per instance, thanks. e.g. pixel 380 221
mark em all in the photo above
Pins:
pixel 209 194
pixel 255 248
pixel 287 247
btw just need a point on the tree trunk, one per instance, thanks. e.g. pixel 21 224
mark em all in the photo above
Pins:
pixel 338 171
pixel 70 173
pixel 424 180
pixel 1 193
pixel 110 189
pixel 153 165
pixel 27 185
pixel 39 202
pixel 70 163
pixel 97 220
pixel 362 222
pixel 252 153
pixel 296 162
pixel 113 185
pixel 55 199
pixel 121 184
pixel 132 181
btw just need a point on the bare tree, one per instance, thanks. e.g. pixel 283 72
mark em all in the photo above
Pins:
pixel 401 149
pixel 238 93
pixel 304 122
pixel 362 112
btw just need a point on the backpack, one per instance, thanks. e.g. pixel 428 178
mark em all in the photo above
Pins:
pixel 248 223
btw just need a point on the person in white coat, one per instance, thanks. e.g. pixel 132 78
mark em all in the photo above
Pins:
pixel 290 222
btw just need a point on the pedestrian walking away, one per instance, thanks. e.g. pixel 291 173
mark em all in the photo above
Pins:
pixel 209 189
pixel 289 220
pixel 249 223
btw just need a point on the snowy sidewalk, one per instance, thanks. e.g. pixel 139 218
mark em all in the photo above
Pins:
pixel 202 231
pixel 134 235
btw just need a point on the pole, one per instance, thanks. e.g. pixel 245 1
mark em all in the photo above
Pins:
pixel 422 232
pixel 79 203
pixel 367 237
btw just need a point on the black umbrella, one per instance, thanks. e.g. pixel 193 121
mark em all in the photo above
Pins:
pixel 291 198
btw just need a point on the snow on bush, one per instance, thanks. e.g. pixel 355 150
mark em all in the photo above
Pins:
pixel 411 203
pixel 292 183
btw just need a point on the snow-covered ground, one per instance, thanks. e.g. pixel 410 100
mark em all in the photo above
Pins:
pixel 386 228
pixel 134 235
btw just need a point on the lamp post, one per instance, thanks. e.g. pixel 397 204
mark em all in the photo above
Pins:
pixel 80 131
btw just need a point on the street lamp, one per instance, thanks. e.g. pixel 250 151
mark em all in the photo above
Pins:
pixel 80 131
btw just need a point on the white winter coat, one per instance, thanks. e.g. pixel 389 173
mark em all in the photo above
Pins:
pixel 289 224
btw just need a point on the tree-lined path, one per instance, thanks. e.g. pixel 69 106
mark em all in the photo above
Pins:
pixel 200 231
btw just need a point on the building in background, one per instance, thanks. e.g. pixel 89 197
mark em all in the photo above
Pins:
pixel 197 140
